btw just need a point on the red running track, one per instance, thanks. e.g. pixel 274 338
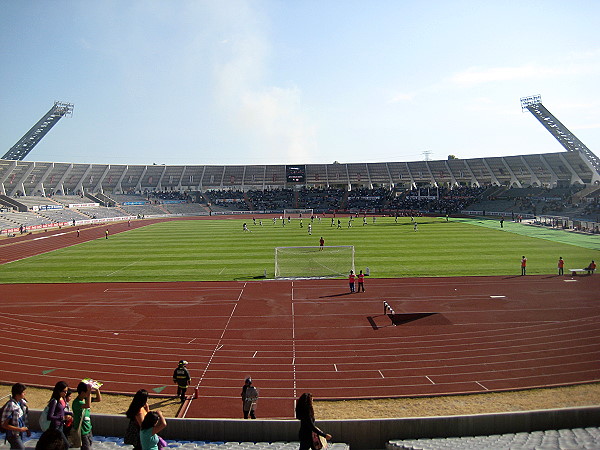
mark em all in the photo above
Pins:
pixel 451 335
pixel 448 335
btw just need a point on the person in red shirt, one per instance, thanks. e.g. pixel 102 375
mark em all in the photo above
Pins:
pixel 561 265
pixel 351 281
pixel 321 243
pixel 361 281
pixel 524 266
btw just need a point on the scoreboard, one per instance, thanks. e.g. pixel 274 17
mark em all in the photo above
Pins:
pixel 295 174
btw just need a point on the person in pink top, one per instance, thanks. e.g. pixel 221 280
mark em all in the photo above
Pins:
pixel 361 281
pixel 351 278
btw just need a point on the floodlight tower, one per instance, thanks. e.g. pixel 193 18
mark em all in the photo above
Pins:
pixel 22 148
pixel 568 140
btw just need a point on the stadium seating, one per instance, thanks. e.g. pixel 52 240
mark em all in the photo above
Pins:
pixel 113 443
pixel 578 438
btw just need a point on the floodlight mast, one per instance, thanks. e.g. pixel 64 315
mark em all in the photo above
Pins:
pixel 568 140
pixel 21 149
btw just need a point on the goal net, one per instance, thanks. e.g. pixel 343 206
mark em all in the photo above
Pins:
pixel 314 262
pixel 297 213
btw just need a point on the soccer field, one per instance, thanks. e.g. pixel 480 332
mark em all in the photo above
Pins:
pixel 202 250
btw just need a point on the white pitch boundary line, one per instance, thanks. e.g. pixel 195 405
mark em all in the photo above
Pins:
pixel 165 289
pixel 124 267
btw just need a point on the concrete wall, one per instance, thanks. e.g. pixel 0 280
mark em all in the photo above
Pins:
pixel 360 434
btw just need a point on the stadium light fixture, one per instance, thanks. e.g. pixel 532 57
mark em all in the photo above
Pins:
pixel 529 101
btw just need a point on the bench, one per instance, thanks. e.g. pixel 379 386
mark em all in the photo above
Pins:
pixel 576 271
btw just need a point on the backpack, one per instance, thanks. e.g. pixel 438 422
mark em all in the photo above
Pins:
pixel 1 414
pixel 44 422
pixel 6 431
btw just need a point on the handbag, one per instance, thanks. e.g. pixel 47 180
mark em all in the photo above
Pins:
pixel 75 434
pixel 318 442
pixel 132 434
pixel 162 443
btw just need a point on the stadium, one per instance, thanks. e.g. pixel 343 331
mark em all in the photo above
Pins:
pixel 221 266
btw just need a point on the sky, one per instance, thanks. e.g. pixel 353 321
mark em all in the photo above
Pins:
pixel 296 81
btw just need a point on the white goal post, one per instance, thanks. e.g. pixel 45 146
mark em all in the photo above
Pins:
pixel 298 213
pixel 314 262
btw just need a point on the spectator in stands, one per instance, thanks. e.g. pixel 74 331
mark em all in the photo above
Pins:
pixel 249 399
pixel 56 408
pixel 136 413
pixel 81 412
pixel 153 423
pixel 68 413
pixel 51 439
pixel 306 415
pixel 14 419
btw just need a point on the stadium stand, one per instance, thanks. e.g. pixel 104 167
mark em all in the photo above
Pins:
pixel 549 185
pixel 578 438
pixel 112 443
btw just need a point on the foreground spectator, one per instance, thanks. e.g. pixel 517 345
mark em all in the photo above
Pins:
pixel 153 423
pixel 15 417
pixel 56 409
pixel 81 413
pixel 136 413
pixel 309 433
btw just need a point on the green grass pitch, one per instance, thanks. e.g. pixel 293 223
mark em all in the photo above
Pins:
pixel 202 250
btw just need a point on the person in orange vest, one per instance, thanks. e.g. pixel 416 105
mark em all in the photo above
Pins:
pixel 591 268
pixel 561 265
pixel 351 281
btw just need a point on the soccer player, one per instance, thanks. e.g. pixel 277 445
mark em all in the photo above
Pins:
pixel 310 229
pixel 321 243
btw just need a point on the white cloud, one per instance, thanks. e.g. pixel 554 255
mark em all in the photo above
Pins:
pixel 478 75
pixel 402 97
pixel 268 118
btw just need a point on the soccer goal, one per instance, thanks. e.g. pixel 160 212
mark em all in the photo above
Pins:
pixel 314 262
pixel 298 213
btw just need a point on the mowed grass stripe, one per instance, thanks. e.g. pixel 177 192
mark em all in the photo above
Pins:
pixel 220 250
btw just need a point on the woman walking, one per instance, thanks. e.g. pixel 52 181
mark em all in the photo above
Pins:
pixel 56 409
pixel 136 413
pixel 309 433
